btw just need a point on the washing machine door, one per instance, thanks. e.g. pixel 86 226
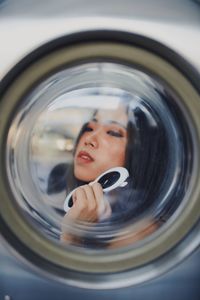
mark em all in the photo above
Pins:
pixel 101 101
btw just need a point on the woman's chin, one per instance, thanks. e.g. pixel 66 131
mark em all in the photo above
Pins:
pixel 84 177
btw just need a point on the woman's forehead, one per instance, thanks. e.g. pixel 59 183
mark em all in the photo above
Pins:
pixel 115 116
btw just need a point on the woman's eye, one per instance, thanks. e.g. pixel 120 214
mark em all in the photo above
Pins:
pixel 115 133
pixel 88 128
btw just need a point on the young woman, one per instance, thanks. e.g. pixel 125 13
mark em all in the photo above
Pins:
pixel 124 137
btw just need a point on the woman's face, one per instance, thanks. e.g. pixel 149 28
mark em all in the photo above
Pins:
pixel 102 145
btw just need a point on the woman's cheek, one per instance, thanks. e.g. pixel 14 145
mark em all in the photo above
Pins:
pixel 120 154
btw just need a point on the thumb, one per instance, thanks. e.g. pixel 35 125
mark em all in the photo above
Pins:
pixel 106 213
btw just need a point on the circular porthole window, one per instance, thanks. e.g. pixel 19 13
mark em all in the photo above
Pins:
pixel 99 150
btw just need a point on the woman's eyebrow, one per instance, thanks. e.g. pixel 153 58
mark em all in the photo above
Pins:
pixel 110 122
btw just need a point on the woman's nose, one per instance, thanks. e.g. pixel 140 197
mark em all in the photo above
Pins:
pixel 92 139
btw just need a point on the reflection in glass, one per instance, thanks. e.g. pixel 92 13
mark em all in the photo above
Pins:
pixel 83 121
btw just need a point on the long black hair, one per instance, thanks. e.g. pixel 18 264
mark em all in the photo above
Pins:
pixel 146 158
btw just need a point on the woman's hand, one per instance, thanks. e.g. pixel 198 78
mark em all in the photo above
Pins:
pixel 88 205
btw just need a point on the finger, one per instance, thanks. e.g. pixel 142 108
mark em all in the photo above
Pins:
pixel 81 199
pixel 79 204
pixel 91 199
pixel 85 205
pixel 107 211
pixel 98 192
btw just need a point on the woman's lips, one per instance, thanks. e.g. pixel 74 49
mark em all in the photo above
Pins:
pixel 84 157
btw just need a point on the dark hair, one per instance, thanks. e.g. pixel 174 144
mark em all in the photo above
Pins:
pixel 146 158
